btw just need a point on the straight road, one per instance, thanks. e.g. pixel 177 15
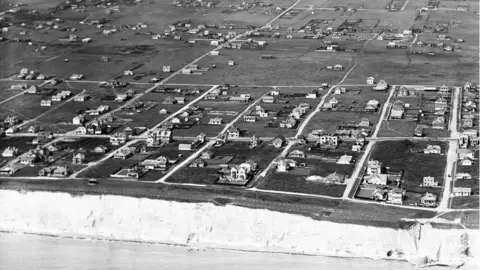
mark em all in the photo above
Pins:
pixel 452 152
pixel 12 97
pixel 358 167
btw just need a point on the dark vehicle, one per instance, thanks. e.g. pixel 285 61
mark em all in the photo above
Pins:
pixel 92 182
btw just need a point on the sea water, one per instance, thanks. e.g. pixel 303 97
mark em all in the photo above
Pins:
pixel 25 251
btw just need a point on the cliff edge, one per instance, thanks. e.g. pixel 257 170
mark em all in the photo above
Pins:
pixel 207 225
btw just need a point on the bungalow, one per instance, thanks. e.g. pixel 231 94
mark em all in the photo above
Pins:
pixel 275 92
pixel 123 154
pixel 268 99
pixel 46 103
pixel 464 153
pixel 370 80
pixel 100 149
pixel 216 121
pixel 198 163
pixel 429 181
pixel 175 120
pixel 466 161
pixel 328 139
pixel 460 176
pixel 381 86
pixel 163 111
pixel 185 147
pixel 461 191
pixel 345 159
pixel 250 118
pixel 29 159
pixel 279 141
pixel 169 100
pixel 376 179
pixel 80 98
pixel 207 155
pixel 179 100
pixel 432 149
pixel 296 154
pixel 438 122
pixel 398 109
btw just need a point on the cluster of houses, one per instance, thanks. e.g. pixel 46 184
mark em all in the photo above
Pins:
pixel 55 171
pixel 470 98
pixel 238 174
pixel 334 104
pixel 379 181
pixel 58 97
pixel 26 74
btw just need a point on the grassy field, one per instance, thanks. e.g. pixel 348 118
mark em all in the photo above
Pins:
pixel 292 183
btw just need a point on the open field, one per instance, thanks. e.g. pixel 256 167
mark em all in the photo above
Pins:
pixel 296 63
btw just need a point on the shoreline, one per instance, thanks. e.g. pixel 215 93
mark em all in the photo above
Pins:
pixel 196 248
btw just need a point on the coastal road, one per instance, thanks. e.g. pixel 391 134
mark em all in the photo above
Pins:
pixel 359 165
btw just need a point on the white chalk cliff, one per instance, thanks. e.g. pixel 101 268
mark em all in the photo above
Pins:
pixel 207 225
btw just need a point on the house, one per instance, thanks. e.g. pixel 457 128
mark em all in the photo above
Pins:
pixel 374 167
pixel 338 67
pixel 438 122
pixel 429 200
pixel 429 181
pixel 296 154
pixel 100 149
pixel 328 139
pixel 179 100
pixel 398 110
pixel 198 163
pixel 254 141
pixel 164 135
pixel 250 118
pixel 381 86
pixel 123 154
pixel 11 120
pixel 283 165
pixel 279 141
pixel 163 111
pixel 465 153
pixel 78 158
pixel 395 196
pixel 370 80
pixel 207 155
pixel 345 159
pixel 466 161
pixel 432 149
pixel 233 132
pixel 460 176
pixel 10 152
pixel 80 98
pixel 29 159
pixel 290 122
pixel 46 103
pixel 215 121
pixel 275 92
pixel 461 191
pixel 169 100
pixel 33 129
pixel 312 95
pixel 166 69
pixel 376 179
pixel 268 99
pixel 81 131
pixel 175 120
pixel 78 120
pixel 185 147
